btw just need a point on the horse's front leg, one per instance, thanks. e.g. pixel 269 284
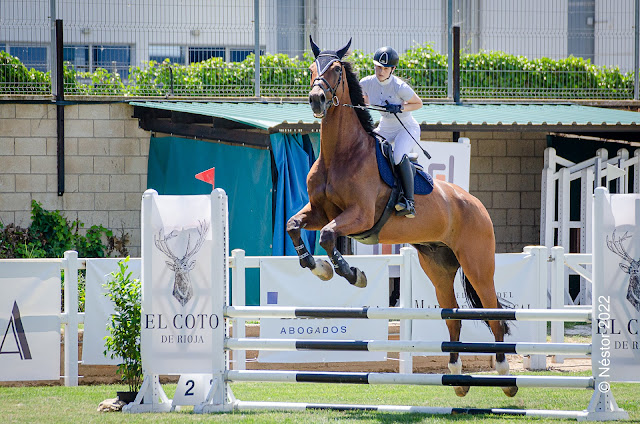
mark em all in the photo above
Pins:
pixel 348 222
pixel 310 219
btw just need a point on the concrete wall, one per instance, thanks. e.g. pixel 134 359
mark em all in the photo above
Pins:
pixel 105 165
pixel 106 170
pixel 506 172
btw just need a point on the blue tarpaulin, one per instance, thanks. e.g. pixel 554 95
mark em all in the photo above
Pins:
pixel 293 156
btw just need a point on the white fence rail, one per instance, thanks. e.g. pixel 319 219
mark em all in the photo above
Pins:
pixel 558 265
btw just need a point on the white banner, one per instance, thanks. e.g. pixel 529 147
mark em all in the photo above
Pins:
pixel 450 162
pixel 177 273
pixel 30 321
pixel 284 283
pixel 516 286
pixel 99 308
pixel 616 303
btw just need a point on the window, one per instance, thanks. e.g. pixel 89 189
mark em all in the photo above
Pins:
pixel 174 53
pixel 240 54
pixel 77 57
pixel 2 47
pixel 31 56
pixel 199 54
pixel 113 59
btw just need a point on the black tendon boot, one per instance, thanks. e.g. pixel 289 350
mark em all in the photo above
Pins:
pixel 407 171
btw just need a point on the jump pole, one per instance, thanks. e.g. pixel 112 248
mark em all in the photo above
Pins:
pixel 220 384
pixel 408 313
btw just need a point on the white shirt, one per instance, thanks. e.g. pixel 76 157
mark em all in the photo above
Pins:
pixel 393 90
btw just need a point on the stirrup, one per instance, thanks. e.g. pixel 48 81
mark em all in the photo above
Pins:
pixel 406 208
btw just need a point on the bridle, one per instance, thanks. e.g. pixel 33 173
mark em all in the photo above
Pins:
pixel 321 82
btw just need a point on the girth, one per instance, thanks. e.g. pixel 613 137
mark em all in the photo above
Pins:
pixel 372 236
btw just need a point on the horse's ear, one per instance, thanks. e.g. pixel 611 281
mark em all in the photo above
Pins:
pixel 345 49
pixel 315 49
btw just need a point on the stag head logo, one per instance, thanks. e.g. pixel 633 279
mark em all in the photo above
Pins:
pixel 182 266
pixel 631 267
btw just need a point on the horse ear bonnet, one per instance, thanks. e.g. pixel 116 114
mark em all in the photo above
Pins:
pixel 325 58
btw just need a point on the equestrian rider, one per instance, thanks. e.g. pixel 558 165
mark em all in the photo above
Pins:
pixel 397 97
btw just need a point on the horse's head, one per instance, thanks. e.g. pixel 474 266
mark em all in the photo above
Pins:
pixel 326 76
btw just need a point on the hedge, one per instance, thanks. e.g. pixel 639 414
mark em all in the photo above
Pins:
pixel 484 74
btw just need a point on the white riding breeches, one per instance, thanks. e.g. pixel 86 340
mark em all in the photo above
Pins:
pixel 400 139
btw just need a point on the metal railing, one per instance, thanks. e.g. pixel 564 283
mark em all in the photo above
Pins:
pixel 586 49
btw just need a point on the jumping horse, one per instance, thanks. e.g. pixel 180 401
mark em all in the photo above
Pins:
pixel 452 228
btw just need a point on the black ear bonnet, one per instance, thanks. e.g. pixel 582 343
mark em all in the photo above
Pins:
pixel 325 58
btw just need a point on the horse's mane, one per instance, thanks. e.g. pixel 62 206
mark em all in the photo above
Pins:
pixel 355 92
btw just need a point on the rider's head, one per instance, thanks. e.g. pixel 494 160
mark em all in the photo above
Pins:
pixel 385 60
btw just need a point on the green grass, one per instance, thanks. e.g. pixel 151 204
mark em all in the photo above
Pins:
pixel 78 404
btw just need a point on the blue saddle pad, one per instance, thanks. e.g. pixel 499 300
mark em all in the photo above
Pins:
pixel 423 181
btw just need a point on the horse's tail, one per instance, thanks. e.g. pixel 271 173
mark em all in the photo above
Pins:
pixel 475 302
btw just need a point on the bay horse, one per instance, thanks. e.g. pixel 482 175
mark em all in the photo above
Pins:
pixel 452 228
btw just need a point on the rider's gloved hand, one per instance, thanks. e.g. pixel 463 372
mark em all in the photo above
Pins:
pixel 391 108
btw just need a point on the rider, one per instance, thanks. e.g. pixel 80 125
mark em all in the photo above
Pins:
pixel 399 99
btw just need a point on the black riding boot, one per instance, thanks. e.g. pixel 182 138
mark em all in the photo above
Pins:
pixel 407 171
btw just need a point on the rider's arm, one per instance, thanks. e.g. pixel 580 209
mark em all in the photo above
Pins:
pixel 414 103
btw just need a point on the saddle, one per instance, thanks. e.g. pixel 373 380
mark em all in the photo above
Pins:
pixel 423 185
pixel 384 154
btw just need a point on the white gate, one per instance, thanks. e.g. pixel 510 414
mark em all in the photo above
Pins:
pixel 556 226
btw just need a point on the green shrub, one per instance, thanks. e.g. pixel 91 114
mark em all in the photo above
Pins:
pixel 21 80
pixel 51 234
pixel 421 66
pixel 123 340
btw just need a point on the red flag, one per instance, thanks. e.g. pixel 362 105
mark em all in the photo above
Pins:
pixel 207 176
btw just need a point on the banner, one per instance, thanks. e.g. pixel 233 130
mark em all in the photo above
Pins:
pixel 99 308
pixel 616 301
pixel 517 286
pixel 30 321
pixel 284 283
pixel 182 260
pixel 449 162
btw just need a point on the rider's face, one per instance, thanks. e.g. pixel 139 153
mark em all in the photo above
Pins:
pixel 383 73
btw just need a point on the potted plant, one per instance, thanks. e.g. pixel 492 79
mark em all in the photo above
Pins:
pixel 123 340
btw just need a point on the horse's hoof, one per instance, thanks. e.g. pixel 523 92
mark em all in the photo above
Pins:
pixel 462 391
pixel 361 279
pixel 510 391
pixel 323 270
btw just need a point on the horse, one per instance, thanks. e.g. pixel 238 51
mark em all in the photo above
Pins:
pixel 452 228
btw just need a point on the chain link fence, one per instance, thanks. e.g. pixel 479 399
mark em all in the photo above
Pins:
pixel 510 49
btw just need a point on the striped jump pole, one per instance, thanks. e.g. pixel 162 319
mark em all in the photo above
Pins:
pixel 300 407
pixel 409 346
pixel 409 313
pixel 412 379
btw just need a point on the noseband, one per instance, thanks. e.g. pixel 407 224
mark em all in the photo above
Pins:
pixel 319 81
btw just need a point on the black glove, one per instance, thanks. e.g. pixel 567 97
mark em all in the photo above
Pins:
pixel 391 108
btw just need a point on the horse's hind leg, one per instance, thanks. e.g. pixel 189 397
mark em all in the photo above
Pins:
pixel 310 219
pixel 441 265
pixel 479 267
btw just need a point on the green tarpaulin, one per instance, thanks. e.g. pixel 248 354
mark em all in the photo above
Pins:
pixel 244 173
